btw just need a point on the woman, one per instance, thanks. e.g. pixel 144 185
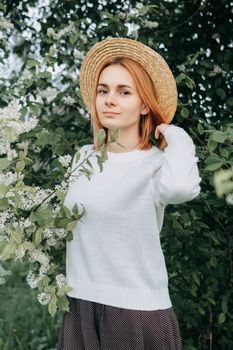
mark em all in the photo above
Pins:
pixel 115 263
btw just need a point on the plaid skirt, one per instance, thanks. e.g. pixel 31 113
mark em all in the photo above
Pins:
pixel 94 326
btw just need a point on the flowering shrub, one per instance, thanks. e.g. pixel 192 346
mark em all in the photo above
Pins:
pixel 34 223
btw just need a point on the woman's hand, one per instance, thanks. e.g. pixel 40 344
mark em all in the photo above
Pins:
pixel 159 130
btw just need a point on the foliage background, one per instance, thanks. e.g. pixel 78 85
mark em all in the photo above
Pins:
pixel 48 45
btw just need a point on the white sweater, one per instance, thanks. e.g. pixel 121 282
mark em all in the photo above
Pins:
pixel 115 257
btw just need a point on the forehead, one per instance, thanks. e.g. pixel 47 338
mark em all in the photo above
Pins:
pixel 116 74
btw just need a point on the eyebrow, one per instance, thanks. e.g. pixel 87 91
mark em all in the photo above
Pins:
pixel 118 86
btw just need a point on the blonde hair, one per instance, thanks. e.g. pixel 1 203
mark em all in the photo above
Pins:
pixel 148 122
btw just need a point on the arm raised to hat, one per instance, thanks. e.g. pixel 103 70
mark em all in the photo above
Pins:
pixel 176 179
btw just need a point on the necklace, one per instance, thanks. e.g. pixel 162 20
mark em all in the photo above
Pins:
pixel 134 147
pixel 130 148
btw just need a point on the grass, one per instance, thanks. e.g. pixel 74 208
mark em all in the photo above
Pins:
pixel 24 323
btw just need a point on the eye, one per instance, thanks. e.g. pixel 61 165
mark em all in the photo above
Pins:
pixel 124 92
pixel 101 91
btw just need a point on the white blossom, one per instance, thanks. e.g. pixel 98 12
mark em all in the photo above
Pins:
pixel 78 54
pixel 62 32
pixel 150 24
pixel 19 253
pixel 53 51
pixel 32 280
pixel 27 223
pixel 4 217
pixel 44 298
pixel 61 280
pixel 30 198
pixel 6 24
pixel 52 233
pixel 49 94
pixel 23 145
pixel 68 100
pixel 65 160
pixel 11 154
pixel 62 186
pixel 9 178
pixel 11 126
pixel 52 242
pixel 229 198
pixel 26 75
pixel 38 255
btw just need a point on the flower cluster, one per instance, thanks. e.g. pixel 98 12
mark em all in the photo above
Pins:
pixel 34 223
pixel 71 28
pixel 11 126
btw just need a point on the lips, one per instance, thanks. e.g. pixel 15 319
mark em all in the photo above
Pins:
pixel 111 114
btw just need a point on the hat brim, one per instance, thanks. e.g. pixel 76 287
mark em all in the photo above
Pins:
pixel 152 62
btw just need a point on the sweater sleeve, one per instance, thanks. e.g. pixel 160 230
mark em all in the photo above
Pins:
pixel 177 179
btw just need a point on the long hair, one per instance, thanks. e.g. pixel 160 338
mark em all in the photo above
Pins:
pixel 148 122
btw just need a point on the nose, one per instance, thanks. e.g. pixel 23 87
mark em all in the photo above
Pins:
pixel 110 99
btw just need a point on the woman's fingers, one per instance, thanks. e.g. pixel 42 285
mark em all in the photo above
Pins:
pixel 160 129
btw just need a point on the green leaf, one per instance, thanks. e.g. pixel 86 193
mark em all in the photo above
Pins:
pixel 190 83
pixel 38 236
pixel 73 38
pixel 23 111
pixel 42 216
pixel 28 245
pixel 61 195
pixel 212 145
pixel 77 156
pixel 4 163
pixel 35 109
pixel 100 163
pixel 53 306
pixel 71 225
pixel 224 153
pixel 180 78
pixel 115 135
pixel 11 134
pixel 8 251
pixel 32 63
pixel 42 139
pixel 200 128
pixel 17 235
pixel 224 304
pixel 3 189
pixel 230 101
pixel 45 74
pixel 213 261
pixel 221 93
pixel 219 136
pixel 63 303
pixel 20 165
pixel 184 112
pixel 201 310
pixel 4 203
pixel 148 9
pixel 101 137
pixel 221 318
pixel 213 167
pixel 64 290
pixel 196 278
pixel 214 158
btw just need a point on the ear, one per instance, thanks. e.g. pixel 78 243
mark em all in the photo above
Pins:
pixel 145 109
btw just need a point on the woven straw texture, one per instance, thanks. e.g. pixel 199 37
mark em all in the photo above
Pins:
pixel 152 62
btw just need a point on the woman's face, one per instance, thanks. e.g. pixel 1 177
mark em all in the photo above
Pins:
pixel 117 94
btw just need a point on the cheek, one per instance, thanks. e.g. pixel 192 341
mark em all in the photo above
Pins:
pixel 97 102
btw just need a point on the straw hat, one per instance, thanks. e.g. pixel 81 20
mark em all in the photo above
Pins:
pixel 153 63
